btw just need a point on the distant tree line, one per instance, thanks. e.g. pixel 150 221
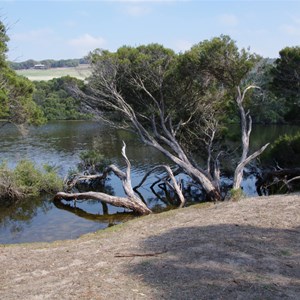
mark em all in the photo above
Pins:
pixel 48 63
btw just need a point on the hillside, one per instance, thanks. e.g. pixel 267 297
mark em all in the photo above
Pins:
pixel 80 72
pixel 232 250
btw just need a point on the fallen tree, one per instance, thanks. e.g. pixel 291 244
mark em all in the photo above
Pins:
pixel 132 201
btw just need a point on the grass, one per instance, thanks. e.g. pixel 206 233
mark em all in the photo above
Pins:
pixel 80 72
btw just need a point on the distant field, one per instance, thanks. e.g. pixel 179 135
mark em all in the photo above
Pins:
pixel 80 72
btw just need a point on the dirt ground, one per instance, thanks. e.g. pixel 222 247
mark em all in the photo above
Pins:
pixel 233 250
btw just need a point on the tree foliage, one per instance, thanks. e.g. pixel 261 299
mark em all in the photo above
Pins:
pixel 56 100
pixel 16 105
pixel 286 81
pixel 285 151
pixel 48 63
pixel 27 180
pixel 175 103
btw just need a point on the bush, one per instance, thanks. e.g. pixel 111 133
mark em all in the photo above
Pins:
pixel 285 151
pixel 93 161
pixel 27 180
pixel 236 194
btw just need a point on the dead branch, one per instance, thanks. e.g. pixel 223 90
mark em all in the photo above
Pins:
pixel 176 186
pixel 131 202
pixel 140 254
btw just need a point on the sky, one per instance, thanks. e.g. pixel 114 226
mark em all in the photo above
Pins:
pixel 71 29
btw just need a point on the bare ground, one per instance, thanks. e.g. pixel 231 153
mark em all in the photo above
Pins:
pixel 235 250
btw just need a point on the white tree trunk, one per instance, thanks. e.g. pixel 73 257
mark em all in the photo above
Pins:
pixel 132 202
pixel 246 128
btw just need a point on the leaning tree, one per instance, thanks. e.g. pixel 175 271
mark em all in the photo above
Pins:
pixel 175 103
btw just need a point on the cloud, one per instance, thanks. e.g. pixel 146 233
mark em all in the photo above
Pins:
pixel 228 20
pixel 86 43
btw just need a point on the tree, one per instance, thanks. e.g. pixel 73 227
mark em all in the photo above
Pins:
pixel 169 100
pixel 16 105
pixel 56 101
pixel 286 81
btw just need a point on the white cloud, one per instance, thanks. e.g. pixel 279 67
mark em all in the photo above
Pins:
pixel 228 20
pixel 86 43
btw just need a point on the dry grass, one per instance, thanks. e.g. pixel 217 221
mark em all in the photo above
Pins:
pixel 80 72
pixel 235 250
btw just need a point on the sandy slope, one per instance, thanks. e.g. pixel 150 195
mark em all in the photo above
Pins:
pixel 236 250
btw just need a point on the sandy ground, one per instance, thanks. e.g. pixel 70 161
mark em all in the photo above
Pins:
pixel 235 250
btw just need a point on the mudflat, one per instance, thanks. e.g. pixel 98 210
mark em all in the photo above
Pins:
pixel 248 249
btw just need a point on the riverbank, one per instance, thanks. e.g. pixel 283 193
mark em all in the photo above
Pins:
pixel 235 250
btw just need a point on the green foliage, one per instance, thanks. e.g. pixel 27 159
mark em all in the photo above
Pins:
pixel 198 86
pixel 286 81
pixel 285 151
pixel 236 194
pixel 265 106
pixel 16 105
pixel 48 63
pixel 221 59
pixel 56 101
pixel 26 179
pixel 93 161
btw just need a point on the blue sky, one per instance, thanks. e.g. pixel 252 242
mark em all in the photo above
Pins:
pixel 70 29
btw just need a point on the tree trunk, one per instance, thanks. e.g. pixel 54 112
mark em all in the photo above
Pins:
pixel 246 128
pixel 128 203
pixel 132 202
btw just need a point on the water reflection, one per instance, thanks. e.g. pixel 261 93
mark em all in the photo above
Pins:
pixel 60 143
pixel 103 217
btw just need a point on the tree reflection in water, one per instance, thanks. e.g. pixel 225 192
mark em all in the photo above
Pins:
pixel 20 213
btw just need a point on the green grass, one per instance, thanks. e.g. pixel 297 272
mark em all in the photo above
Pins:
pixel 80 72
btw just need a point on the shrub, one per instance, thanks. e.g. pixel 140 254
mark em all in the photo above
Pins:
pixel 27 180
pixel 285 151
pixel 236 194
pixel 93 161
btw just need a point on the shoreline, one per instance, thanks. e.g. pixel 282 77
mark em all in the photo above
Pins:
pixel 249 249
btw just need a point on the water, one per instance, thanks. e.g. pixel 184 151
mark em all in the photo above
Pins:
pixel 59 144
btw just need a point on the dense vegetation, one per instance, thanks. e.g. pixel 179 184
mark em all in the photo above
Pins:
pixel 284 151
pixel 48 63
pixel 27 180
pixel 57 101
pixel 180 104
pixel 16 104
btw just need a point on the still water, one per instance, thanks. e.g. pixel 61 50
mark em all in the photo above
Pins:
pixel 59 144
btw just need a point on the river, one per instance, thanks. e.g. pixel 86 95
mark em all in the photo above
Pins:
pixel 60 143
